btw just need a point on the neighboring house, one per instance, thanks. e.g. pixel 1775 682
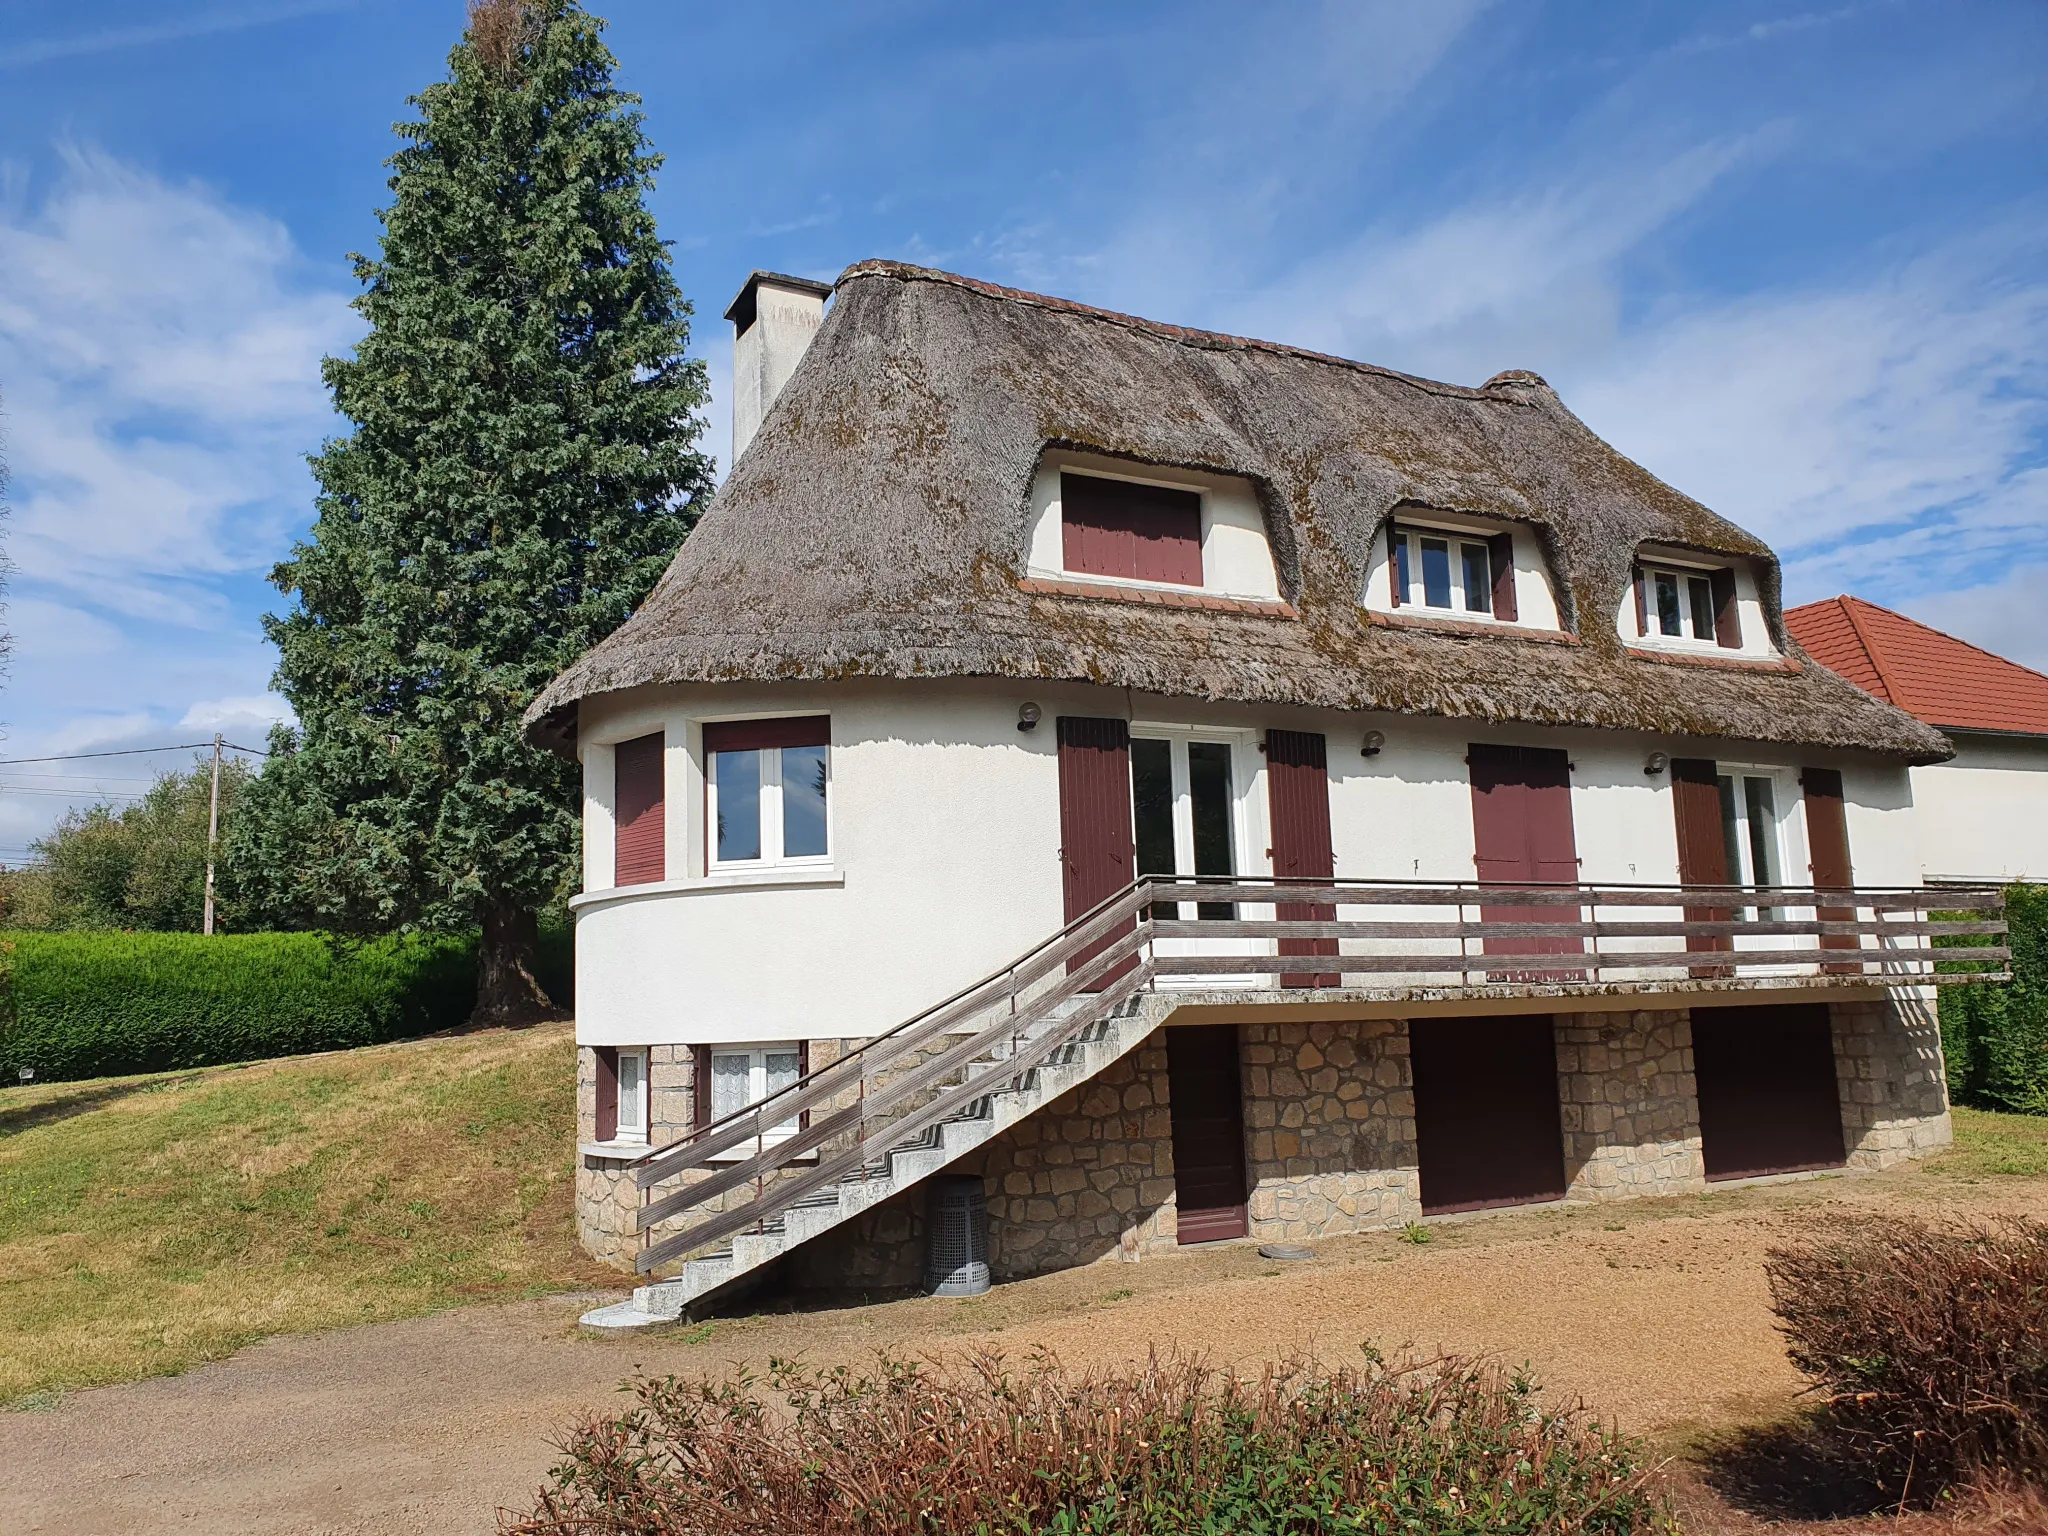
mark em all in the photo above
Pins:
pixel 1199 788
pixel 1983 814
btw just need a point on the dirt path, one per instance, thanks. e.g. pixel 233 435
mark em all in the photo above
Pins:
pixel 1655 1313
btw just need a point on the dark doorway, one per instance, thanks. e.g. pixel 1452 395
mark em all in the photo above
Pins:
pixel 1208 1131
pixel 1486 1112
pixel 1768 1096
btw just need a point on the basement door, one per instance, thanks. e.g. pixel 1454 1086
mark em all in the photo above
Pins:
pixel 1207 1100
pixel 1769 1102
pixel 1486 1112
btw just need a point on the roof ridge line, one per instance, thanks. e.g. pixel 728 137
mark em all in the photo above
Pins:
pixel 1907 618
pixel 1891 691
pixel 1182 335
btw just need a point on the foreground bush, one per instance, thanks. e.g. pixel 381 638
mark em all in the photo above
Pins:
pixel 1168 1447
pixel 96 1004
pixel 1929 1345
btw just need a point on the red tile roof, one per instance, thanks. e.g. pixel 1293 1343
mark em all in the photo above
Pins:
pixel 1942 680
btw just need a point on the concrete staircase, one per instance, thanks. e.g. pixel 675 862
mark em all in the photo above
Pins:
pixel 1096 1046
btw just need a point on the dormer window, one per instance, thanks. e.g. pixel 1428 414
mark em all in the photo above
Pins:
pixel 1112 527
pixel 1450 566
pixel 1455 573
pixel 1677 602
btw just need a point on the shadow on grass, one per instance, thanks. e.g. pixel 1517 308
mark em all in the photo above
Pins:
pixel 27 1117
pixel 1799 1470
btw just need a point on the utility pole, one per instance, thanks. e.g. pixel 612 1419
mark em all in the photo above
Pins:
pixel 212 834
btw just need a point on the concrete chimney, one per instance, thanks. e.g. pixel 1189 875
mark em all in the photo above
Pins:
pixel 773 320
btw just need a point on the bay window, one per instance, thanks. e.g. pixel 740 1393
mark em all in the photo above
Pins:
pixel 767 791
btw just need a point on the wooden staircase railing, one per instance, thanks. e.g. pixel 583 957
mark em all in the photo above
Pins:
pixel 935 1066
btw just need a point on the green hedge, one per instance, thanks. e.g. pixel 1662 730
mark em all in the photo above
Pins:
pixel 1995 1039
pixel 100 1004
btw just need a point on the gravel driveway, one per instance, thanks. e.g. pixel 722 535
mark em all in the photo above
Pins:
pixel 1655 1313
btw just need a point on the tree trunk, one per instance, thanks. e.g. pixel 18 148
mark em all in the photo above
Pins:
pixel 507 991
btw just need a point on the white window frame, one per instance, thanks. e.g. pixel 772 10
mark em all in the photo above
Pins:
pixel 1459 539
pixel 1651 630
pixel 1247 828
pixel 770 802
pixel 632 1130
pixel 1787 839
pixel 757 1090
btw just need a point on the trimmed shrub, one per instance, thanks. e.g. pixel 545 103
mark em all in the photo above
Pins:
pixel 1929 1345
pixel 1995 1039
pixel 97 1004
pixel 1168 1447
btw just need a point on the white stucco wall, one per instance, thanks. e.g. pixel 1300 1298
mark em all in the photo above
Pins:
pixel 946 844
pixel 1983 815
pixel 1236 558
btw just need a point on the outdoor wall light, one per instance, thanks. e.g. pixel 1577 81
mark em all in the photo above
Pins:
pixel 1654 763
pixel 1028 716
pixel 1374 740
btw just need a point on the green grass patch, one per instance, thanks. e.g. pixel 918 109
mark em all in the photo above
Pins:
pixel 151 1223
pixel 1994 1144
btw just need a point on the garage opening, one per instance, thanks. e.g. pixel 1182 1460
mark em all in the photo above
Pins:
pixel 1486 1113
pixel 1768 1097
pixel 1207 1100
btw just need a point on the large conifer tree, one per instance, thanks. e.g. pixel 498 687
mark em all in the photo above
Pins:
pixel 521 466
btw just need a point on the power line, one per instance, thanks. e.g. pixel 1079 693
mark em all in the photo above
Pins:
pixel 189 746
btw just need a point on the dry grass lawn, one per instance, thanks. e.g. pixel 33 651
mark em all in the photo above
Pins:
pixel 151 1223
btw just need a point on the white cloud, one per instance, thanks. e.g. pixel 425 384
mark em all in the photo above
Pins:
pixel 159 354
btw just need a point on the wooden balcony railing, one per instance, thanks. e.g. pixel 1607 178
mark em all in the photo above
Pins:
pixel 1386 940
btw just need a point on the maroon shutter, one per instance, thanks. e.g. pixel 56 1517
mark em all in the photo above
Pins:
pixel 1642 601
pixel 1827 841
pixel 1522 835
pixel 700 1086
pixel 1142 532
pixel 757 735
pixel 1394 561
pixel 638 847
pixel 1501 554
pixel 1298 792
pixel 1727 616
pixel 1702 850
pixel 607 1091
pixel 1096 853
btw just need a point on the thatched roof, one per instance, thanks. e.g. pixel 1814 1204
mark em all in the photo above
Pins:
pixel 876 527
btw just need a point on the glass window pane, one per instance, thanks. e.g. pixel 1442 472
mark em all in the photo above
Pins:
pixel 1209 791
pixel 1478 580
pixel 1152 813
pixel 1401 568
pixel 1668 621
pixel 630 1096
pixel 731 1078
pixel 803 801
pixel 1702 593
pixel 1731 829
pixel 1763 830
pixel 738 777
pixel 1436 573
pixel 782 1071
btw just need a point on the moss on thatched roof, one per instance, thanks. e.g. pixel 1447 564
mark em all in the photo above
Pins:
pixel 876 527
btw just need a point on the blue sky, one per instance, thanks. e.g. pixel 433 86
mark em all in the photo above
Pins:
pixel 1792 259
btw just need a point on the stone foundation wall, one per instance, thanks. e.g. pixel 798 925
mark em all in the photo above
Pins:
pixel 1894 1089
pixel 1329 1113
pixel 1629 1104
pixel 1330 1140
